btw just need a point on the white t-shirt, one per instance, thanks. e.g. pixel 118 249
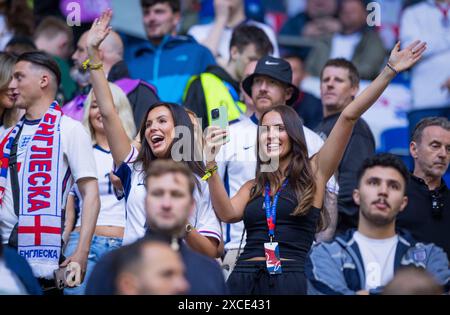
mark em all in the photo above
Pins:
pixel 378 257
pixel 237 161
pixel 200 33
pixel 78 160
pixel 343 46
pixel 425 21
pixel 203 218
pixel 112 210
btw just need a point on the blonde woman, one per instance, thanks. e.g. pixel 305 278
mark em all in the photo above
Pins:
pixel 111 219
pixel 9 115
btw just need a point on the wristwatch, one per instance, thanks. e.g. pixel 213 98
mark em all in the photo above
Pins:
pixel 189 228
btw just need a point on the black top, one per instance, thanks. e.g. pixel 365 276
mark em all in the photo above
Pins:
pixel 309 108
pixel 294 234
pixel 203 273
pixel 360 147
pixel 418 216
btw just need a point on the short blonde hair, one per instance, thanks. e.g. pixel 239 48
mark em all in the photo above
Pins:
pixel 123 108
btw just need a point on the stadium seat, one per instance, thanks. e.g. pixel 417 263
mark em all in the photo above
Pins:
pixel 396 141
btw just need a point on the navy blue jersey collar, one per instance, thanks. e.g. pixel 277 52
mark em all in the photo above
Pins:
pixel 31 122
pixel 254 119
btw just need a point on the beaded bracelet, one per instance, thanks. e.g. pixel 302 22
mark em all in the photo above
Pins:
pixel 392 68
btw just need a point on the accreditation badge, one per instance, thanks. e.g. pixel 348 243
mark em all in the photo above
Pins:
pixel 273 262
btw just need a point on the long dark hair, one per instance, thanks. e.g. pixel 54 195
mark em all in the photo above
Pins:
pixel 180 118
pixel 299 172
pixel 19 17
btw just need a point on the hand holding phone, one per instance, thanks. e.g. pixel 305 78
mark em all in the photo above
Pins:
pixel 219 118
pixel 68 276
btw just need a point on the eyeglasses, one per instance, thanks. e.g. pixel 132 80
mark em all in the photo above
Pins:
pixel 437 204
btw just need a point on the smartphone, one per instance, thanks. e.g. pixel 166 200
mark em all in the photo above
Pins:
pixel 60 278
pixel 219 117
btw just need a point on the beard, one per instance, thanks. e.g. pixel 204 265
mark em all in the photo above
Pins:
pixel 174 229
pixel 377 219
pixel 81 77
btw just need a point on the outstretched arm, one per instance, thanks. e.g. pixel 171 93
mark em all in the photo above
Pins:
pixel 329 157
pixel 228 211
pixel 117 138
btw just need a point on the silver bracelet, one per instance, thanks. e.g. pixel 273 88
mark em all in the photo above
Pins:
pixel 392 68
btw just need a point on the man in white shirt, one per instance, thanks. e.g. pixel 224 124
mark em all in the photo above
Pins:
pixel 430 78
pixel 35 81
pixel 270 85
pixel 217 35
pixel 356 42
pixel 365 260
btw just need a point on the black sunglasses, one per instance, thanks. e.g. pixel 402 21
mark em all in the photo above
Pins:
pixel 437 204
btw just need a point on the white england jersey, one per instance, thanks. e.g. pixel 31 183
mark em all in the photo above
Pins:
pixel 112 210
pixel 204 218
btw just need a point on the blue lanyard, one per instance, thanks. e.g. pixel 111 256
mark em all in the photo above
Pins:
pixel 271 210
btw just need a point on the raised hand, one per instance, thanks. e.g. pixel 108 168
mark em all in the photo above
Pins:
pixel 222 10
pixel 99 30
pixel 407 57
pixel 215 137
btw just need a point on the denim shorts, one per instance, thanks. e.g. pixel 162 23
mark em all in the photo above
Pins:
pixel 100 245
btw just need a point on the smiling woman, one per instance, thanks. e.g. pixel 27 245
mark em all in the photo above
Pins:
pixel 291 196
pixel 157 137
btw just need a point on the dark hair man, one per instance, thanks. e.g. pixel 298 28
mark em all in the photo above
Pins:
pixel 149 267
pixel 46 152
pixel 365 260
pixel 166 60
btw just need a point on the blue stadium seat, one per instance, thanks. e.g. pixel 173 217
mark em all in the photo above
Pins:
pixel 447 177
pixel 396 141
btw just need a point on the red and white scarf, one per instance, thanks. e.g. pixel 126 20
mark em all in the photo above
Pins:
pixel 40 220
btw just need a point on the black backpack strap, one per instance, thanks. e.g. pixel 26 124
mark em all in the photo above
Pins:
pixel 15 188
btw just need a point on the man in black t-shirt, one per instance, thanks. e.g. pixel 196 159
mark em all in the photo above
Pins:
pixel 339 84
pixel 427 215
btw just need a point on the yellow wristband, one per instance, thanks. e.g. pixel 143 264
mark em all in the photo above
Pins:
pixel 96 66
pixel 209 173
pixel 87 64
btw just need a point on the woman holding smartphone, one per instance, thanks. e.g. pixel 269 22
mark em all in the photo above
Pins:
pixel 157 137
pixel 282 209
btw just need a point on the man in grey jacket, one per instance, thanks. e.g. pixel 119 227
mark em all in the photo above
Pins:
pixel 363 261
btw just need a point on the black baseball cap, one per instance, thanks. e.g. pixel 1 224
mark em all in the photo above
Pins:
pixel 275 68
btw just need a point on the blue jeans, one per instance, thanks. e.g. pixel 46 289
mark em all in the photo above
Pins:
pixel 100 245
